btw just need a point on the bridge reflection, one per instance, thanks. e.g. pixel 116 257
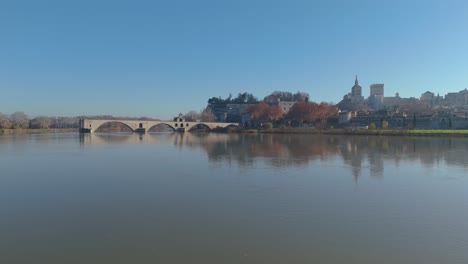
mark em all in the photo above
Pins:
pixel 361 153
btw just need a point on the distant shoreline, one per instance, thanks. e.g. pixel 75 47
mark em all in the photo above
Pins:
pixel 291 131
pixel 10 131
pixel 360 132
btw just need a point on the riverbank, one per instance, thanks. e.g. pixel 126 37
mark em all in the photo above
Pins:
pixel 368 132
pixel 362 132
pixel 8 131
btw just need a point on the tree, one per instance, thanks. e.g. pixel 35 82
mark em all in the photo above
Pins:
pixel 256 111
pixel 216 101
pixel 244 98
pixel 19 120
pixel 4 121
pixel 286 96
pixel 278 95
pixel 262 112
pixel 384 124
pixel 273 113
pixel 41 122
pixel 303 112
pixel 301 97
pixel 310 112
pixel 192 116
pixel 324 112
pixel 270 99
pixel 267 125
pixel 207 116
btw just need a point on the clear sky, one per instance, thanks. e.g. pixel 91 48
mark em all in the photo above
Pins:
pixel 159 58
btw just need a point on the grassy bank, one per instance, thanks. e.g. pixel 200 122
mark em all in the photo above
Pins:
pixel 375 132
pixel 36 131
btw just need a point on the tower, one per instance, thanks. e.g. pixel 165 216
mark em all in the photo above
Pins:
pixel 376 89
pixel 356 90
pixel 356 93
pixel 376 97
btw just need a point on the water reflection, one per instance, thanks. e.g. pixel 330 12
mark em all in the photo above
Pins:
pixel 359 152
pixel 173 198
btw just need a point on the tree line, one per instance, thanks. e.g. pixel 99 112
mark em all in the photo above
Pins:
pixel 268 110
pixel 310 113
pixel 242 98
pixel 19 120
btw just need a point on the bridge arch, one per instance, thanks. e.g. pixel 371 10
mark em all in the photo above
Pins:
pixel 198 126
pixel 160 124
pixel 231 126
pixel 100 124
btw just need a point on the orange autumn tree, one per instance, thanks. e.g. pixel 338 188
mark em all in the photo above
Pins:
pixel 324 112
pixel 312 113
pixel 262 112
pixel 302 112
pixel 272 113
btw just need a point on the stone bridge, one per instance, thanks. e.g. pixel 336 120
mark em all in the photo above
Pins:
pixel 142 126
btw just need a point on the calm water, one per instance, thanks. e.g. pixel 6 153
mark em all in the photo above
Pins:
pixel 217 198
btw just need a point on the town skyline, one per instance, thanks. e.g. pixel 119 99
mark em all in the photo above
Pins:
pixel 153 58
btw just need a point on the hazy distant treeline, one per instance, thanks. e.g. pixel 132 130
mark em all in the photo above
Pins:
pixel 21 120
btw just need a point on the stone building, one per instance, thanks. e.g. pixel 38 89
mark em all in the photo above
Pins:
pixel 457 99
pixel 376 97
pixel 377 89
pixel 285 106
pixel 427 97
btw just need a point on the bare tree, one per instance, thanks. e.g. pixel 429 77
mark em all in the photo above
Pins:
pixel 192 116
pixel 41 122
pixel 4 121
pixel 207 116
pixel 69 122
pixel 19 120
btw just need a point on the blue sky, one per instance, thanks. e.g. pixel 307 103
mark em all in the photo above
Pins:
pixel 159 58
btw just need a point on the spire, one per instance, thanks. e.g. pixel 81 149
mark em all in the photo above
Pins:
pixel 356 81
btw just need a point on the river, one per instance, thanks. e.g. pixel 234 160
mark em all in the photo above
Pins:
pixel 232 198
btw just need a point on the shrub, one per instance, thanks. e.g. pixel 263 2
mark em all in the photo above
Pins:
pixel 384 124
pixel 267 125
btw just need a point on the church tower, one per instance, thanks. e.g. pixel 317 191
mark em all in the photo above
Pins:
pixel 356 93
pixel 356 90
